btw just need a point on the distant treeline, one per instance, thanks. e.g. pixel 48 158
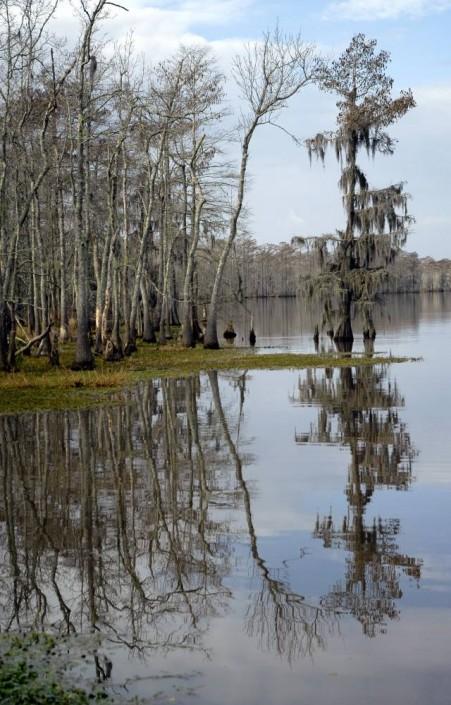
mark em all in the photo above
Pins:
pixel 261 271
pixel 411 273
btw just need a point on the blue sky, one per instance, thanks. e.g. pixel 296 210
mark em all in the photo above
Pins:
pixel 286 197
pixel 416 32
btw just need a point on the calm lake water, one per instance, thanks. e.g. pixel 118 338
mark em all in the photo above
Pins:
pixel 252 538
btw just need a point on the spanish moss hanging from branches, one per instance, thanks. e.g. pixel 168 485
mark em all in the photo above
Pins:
pixel 353 263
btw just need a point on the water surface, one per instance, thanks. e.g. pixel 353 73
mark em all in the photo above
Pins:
pixel 252 537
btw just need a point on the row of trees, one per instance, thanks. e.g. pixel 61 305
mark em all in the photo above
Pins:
pixel 264 271
pixel 115 194
pixel 112 175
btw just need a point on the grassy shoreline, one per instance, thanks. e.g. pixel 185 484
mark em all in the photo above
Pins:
pixel 37 387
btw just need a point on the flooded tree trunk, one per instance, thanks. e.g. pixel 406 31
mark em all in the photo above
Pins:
pixel 343 332
pixel 368 344
pixel 369 330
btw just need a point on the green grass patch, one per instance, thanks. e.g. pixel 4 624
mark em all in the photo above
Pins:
pixel 37 387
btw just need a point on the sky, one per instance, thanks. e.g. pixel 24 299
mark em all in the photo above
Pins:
pixel 286 195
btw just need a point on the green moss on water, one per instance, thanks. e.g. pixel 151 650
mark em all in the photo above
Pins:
pixel 21 684
pixel 31 674
pixel 36 387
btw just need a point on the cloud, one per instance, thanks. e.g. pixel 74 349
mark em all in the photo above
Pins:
pixel 213 12
pixel 383 9
pixel 159 26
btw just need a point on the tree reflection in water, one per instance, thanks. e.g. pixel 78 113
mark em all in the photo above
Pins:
pixel 112 521
pixel 359 409
pixel 117 521
pixel 278 617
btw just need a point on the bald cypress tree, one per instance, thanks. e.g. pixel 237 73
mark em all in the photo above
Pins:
pixel 353 262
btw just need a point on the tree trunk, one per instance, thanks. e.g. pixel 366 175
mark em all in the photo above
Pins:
pixel 211 334
pixel 369 330
pixel 83 355
pixel 148 329
pixel 44 347
pixel 105 327
pixel 189 331
pixel 115 333
pixel 174 314
pixel 64 331
pixel 5 325
pixel 343 332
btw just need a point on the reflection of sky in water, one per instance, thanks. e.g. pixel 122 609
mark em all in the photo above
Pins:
pixel 290 485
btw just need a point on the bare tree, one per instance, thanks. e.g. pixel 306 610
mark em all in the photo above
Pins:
pixel 27 110
pixel 87 65
pixel 270 73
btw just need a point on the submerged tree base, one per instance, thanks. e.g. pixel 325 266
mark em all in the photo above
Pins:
pixel 344 345
pixel 36 386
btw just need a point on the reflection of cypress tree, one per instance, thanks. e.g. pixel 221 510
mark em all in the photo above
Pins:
pixel 359 409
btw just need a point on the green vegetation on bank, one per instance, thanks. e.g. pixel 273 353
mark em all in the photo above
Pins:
pixel 32 672
pixel 35 386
